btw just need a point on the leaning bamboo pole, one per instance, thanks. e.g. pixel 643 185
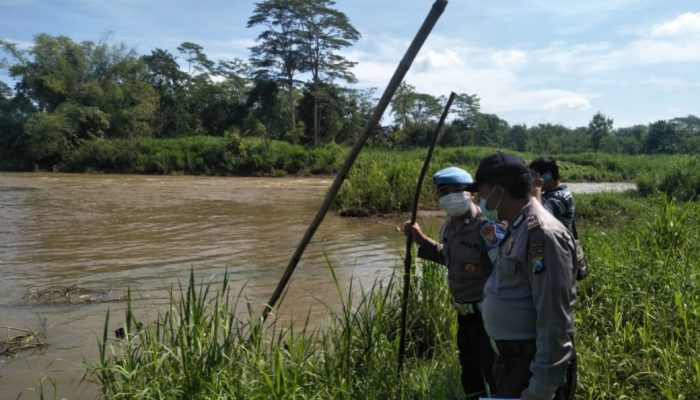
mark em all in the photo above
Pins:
pixel 427 26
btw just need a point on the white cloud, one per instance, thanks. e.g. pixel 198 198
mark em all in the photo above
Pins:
pixel 673 41
pixel 686 24
pixel 664 83
pixel 568 102
pixel 446 65
pixel 514 58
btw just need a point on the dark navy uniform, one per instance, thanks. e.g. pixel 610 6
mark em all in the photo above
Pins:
pixel 528 307
pixel 468 268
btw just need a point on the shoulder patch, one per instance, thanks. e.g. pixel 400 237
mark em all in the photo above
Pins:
pixel 532 222
pixel 536 254
pixel 537 265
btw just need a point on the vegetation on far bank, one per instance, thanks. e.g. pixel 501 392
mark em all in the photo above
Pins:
pixel 385 181
pixel 69 97
pixel 636 327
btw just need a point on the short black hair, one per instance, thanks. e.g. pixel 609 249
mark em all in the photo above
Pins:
pixel 545 164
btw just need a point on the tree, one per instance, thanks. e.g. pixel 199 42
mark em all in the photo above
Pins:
pixel 195 58
pixel 663 137
pixel 466 107
pixel 164 74
pixel 278 55
pixel 599 127
pixel 426 108
pixel 517 138
pixel 324 32
pixel 402 104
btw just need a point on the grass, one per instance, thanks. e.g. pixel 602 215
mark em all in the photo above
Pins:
pixel 383 181
pixel 201 349
pixel 637 322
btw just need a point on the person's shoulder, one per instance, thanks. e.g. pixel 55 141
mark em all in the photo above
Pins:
pixel 540 218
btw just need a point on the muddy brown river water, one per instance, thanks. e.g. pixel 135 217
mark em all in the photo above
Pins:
pixel 112 232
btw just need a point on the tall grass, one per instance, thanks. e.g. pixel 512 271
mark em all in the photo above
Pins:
pixel 638 312
pixel 384 181
pixel 200 348
pixel 637 322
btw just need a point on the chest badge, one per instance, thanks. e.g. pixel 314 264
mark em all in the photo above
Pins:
pixel 469 267
pixel 509 245
pixel 537 265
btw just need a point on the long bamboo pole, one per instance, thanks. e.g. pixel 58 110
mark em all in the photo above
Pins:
pixel 409 240
pixel 434 14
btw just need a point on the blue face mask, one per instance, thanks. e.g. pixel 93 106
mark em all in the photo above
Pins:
pixel 547 176
pixel 491 215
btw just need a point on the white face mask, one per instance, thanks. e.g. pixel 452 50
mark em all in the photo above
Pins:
pixel 455 204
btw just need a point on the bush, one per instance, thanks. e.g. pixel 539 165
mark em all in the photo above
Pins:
pixel 681 181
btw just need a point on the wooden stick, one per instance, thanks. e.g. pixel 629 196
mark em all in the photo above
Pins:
pixel 435 12
pixel 409 238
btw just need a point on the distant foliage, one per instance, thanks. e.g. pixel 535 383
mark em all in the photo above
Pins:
pixel 69 94
pixel 681 181
pixel 204 155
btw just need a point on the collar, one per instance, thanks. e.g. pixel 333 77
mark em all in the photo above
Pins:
pixel 521 217
pixel 561 186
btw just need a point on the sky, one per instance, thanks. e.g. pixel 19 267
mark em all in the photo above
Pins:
pixel 529 61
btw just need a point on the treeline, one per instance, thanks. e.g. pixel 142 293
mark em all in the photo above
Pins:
pixel 68 95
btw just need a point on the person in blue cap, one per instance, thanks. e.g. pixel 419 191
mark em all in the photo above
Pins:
pixel 465 240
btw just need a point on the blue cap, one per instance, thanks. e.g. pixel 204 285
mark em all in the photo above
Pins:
pixel 452 176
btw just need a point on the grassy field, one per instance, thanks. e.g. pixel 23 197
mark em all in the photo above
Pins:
pixel 385 181
pixel 637 323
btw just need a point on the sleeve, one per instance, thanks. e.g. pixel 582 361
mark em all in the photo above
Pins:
pixel 432 251
pixel 553 297
pixel 555 206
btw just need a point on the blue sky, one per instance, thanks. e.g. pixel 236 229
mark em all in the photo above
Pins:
pixel 530 61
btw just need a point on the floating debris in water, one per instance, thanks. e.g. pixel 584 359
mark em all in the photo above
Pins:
pixel 19 340
pixel 120 333
pixel 69 295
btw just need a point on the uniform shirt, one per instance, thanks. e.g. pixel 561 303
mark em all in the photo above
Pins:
pixel 561 204
pixel 468 266
pixel 531 294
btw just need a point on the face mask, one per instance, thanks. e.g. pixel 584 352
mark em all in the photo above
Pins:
pixel 455 204
pixel 546 177
pixel 491 215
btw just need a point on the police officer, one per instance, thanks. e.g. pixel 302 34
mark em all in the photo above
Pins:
pixel 468 266
pixel 529 298
pixel 556 197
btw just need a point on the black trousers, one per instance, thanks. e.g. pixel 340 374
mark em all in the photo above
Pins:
pixel 512 371
pixel 475 355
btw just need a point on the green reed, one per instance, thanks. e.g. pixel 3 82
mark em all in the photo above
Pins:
pixel 638 313
pixel 201 348
pixel 637 320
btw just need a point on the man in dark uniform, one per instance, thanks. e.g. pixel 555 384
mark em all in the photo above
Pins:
pixel 529 298
pixel 465 236
pixel 556 198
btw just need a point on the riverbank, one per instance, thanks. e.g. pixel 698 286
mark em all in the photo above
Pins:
pixel 635 318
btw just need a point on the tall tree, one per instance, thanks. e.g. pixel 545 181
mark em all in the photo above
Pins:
pixel 278 55
pixel 466 107
pixel 164 74
pixel 402 104
pixel 324 32
pixel 663 137
pixel 196 59
pixel 599 127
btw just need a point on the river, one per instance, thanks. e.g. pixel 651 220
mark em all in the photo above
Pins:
pixel 108 233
